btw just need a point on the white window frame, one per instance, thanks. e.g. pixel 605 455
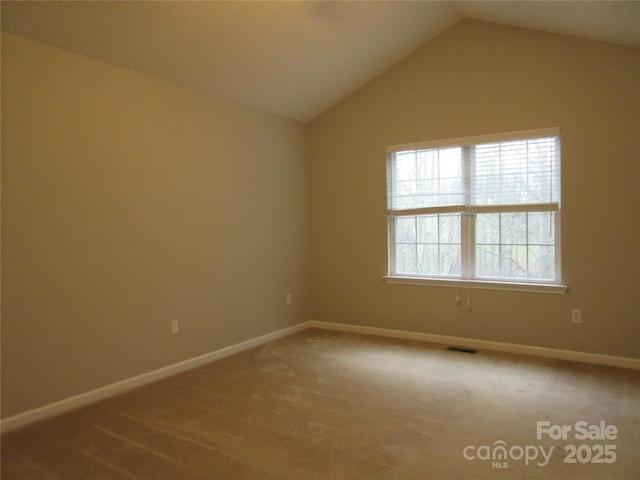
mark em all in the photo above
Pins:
pixel 468 213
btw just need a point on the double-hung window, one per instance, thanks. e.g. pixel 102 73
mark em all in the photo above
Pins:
pixel 484 209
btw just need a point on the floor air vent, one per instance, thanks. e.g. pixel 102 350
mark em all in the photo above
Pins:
pixel 461 349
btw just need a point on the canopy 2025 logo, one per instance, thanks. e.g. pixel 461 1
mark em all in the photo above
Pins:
pixel 500 454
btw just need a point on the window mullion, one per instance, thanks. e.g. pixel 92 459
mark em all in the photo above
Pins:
pixel 467 219
pixel 556 244
pixel 471 225
pixel 415 229
pixel 391 226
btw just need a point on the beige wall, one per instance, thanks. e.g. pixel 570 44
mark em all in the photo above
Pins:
pixel 480 78
pixel 128 202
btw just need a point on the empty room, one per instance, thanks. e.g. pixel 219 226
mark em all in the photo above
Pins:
pixel 320 240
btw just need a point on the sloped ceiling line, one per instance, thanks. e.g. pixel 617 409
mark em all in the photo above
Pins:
pixel 292 58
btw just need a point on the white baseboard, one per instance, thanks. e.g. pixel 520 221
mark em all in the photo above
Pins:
pixel 67 404
pixel 613 361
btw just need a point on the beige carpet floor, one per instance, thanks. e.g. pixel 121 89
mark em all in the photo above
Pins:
pixel 329 405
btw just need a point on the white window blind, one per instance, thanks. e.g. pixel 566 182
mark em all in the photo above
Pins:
pixel 427 178
pixel 520 168
pixel 518 172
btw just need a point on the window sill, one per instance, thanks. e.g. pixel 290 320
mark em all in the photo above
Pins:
pixel 479 284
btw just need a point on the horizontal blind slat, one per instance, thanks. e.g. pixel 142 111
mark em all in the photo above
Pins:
pixel 477 209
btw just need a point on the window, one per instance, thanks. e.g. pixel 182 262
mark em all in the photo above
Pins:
pixel 485 210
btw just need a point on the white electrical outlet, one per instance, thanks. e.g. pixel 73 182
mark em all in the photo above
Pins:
pixel 576 316
pixel 175 328
pixel 289 299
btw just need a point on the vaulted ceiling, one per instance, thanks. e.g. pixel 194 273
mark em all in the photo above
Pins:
pixel 295 59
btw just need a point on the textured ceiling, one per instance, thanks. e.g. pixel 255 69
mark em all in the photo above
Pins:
pixel 296 59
